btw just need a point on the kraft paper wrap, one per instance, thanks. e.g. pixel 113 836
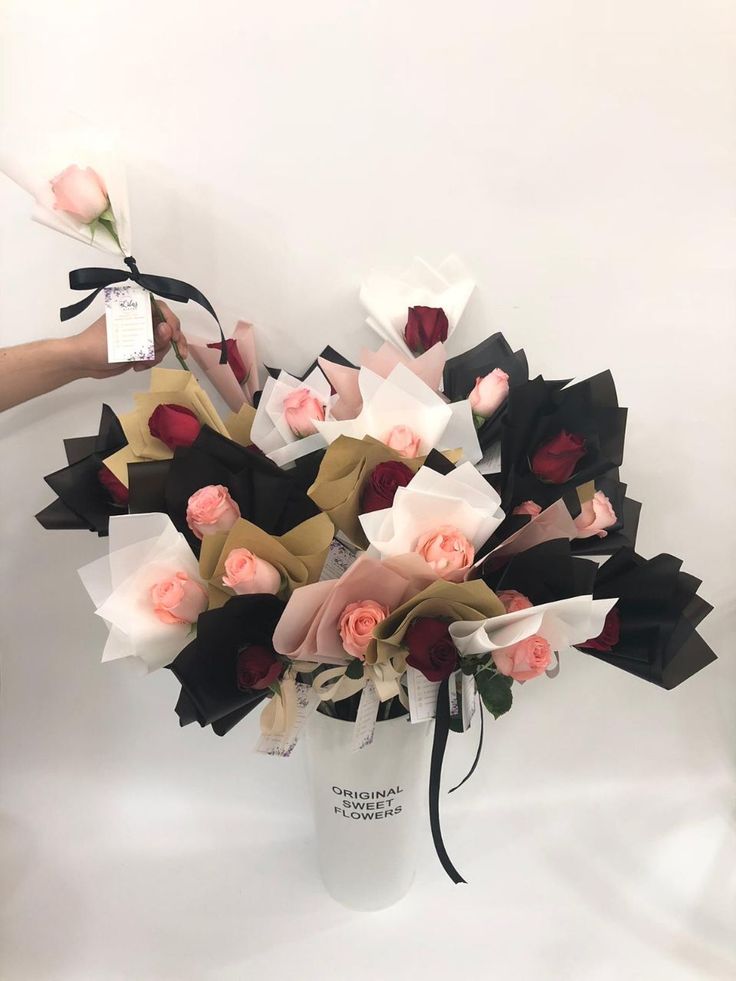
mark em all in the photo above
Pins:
pixel 586 492
pixel 343 474
pixel 239 424
pixel 442 600
pixel 299 555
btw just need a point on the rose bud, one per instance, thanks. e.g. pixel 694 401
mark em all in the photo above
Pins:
pixel 404 440
pixel 210 510
pixel 178 599
pixel 595 516
pixel 233 358
pixel 80 193
pixel 525 660
pixel 384 481
pixel 555 460
pixel 513 601
pixel 425 327
pixel 174 425
pixel 246 573
pixel 301 408
pixel 114 487
pixel 608 637
pixel 446 550
pixel 490 393
pixel 431 649
pixel 357 622
pixel 527 507
pixel 257 668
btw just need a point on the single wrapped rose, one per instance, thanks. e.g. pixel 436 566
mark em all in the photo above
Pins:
pixel 246 573
pixel 596 515
pixel 554 461
pixel 174 425
pixel 383 482
pixel 425 327
pixel 178 599
pixel 117 491
pixel 446 551
pixel 357 623
pixel 301 410
pixel 404 440
pixel 527 508
pixel 234 359
pixel 608 637
pixel 211 510
pixel 257 668
pixel 430 648
pixel 81 193
pixel 513 600
pixel 490 393
pixel 525 660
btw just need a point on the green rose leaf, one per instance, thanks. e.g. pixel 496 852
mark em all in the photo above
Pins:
pixel 495 691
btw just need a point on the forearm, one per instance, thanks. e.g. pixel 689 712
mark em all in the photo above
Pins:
pixel 33 369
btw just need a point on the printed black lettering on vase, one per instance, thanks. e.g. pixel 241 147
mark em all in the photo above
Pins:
pixel 367 805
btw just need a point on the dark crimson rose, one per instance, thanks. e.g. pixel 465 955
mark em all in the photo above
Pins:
pixel 381 487
pixel 556 459
pixel 431 649
pixel 174 425
pixel 117 490
pixel 425 327
pixel 257 668
pixel 608 637
pixel 233 358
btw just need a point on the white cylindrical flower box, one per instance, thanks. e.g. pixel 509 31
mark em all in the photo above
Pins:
pixel 369 806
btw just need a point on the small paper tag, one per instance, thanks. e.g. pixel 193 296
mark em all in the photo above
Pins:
pixel 422 695
pixel 365 717
pixel 129 323
pixel 306 701
pixel 339 559
pixel 468 699
pixel 452 695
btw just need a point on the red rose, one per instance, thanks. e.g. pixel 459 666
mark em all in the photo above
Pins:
pixel 115 488
pixel 555 460
pixel 431 649
pixel 174 425
pixel 425 327
pixel 257 668
pixel 233 358
pixel 381 487
pixel 608 637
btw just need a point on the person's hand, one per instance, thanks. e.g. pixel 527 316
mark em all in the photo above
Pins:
pixel 88 350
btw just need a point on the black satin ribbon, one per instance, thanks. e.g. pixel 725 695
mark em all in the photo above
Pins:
pixel 441 731
pixel 471 771
pixel 96 279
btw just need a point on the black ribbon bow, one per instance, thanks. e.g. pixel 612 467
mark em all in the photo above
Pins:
pixel 96 279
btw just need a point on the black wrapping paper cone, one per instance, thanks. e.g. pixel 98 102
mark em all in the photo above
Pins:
pixel 462 371
pixel 82 500
pixel 658 612
pixel 544 573
pixel 620 535
pixel 207 667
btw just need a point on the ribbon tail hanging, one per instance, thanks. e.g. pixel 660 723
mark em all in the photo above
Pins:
pixel 441 732
pixel 471 771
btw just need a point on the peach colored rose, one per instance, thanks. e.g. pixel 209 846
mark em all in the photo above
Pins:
pixel 446 550
pixel 489 393
pixel 246 573
pixel 210 510
pixel 81 193
pixel 404 440
pixel 357 622
pixel 178 599
pixel 513 600
pixel 527 507
pixel 301 408
pixel 595 516
pixel 525 660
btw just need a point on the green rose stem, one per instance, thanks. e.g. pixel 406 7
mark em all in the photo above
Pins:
pixel 158 318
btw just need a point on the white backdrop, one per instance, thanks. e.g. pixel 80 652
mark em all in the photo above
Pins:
pixel 580 157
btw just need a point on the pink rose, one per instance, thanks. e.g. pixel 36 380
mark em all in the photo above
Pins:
pixel 527 507
pixel 446 550
pixel 489 393
pixel 525 660
pixel 404 440
pixel 513 600
pixel 595 516
pixel 246 573
pixel 357 622
pixel 301 408
pixel 81 193
pixel 210 510
pixel 178 599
